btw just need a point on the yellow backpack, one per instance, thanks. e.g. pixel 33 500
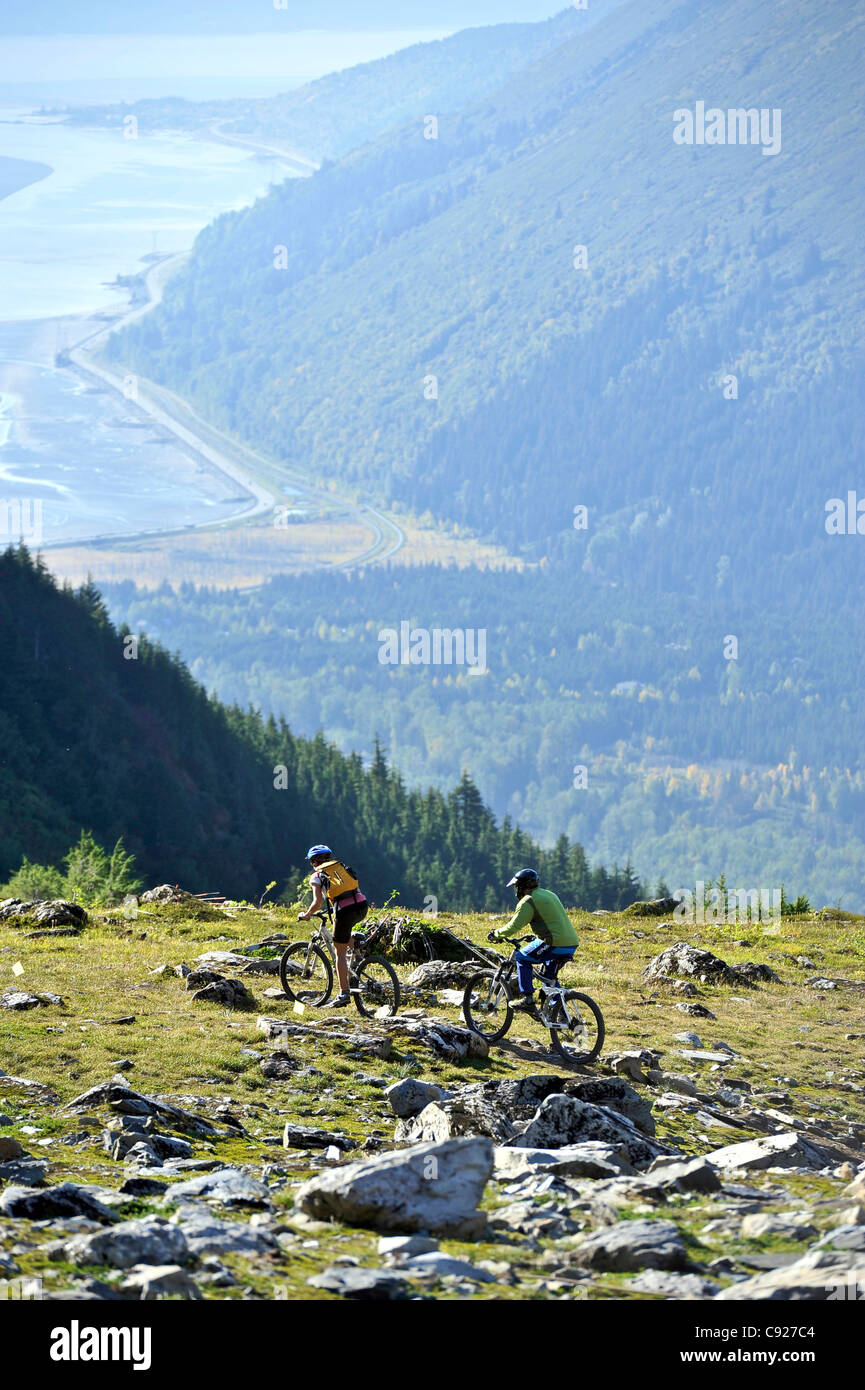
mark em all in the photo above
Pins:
pixel 338 879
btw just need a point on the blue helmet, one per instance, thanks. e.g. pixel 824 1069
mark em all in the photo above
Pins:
pixel 525 879
pixel 317 850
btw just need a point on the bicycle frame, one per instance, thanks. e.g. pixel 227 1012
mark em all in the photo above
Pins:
pixel 551 990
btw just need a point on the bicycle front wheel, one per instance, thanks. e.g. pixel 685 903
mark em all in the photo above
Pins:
pixel 305 973
pixel 375 988
pixel 485 1005
pixel 577 1027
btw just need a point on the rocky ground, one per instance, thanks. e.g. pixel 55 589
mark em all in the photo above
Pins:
pixel 170 1127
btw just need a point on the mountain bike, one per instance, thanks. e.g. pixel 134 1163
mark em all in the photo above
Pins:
pixel 574 1022
pixel 306 970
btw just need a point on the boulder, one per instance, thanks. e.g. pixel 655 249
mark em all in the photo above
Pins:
pixel 26 1172
pixel 683 1175
pixel 397 1247
pixel 678 1286
pixel 783 1224
pixel 682 1085
pixel 11 1148
pixel 633 1245
pixel 278 1067
pixel 589 1160
pixel 232 1187
pixel 197 979
pixel 563 1120
pixel 453 1117
pixel 160 1281
pixel 166 893
pixel 435 1264
pixel 17 1088
pixel 207 1235
pixel 684 959
pixel 124 1101
pixel 54 913
pixel 150 1241
pixel 432 1187
pixel 231 994
pixel 64 1200
pixel 358 1282
pixel 654 907
pixel 18 999
pixel 307 1137
pixel 788 1150
pixel 409 1097
pixel 819 1276
pixel 446 1040
pixel 534 1219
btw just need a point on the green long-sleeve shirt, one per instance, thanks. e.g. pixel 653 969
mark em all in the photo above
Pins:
pixel 543 909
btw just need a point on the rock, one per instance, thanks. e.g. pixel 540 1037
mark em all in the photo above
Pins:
pixel 140 1155
pixel 432 1187
pixel 362 1044
pixel 11 1148
pixel 19 1088
pixel 124 1101
pixel 679 1286
pixel 563 1120
pixel 654 907
pixel 231 994
pixel 633 1245
pixel 759 1223
pixel 446 1040
pixel 437 1265
pixel 409 1097
pixel 306 1137
pixel 120 1143
pixel 197 979
pixel 278 1067
pixel 64 1200
pixel 856 1188
pixel 847 1237
pixel 820 982
pixel 818 1276
pixel 361 1283
pixel 701 1055
pixel 682 1085
pixel 631 1064
pixel 589 1160
pixel 788 1150
pixel 396 1246
pixel 19 1000
pixel 27 1172
pixel 160 1281
pixel 686 1175
pixel 230 1186
pixel 166 893
pixel 150 1241
pixel 534 1219
pixel 454 1117
pixel 55 913
pixel 438 974
pixel 143 1187
pixel 684 959
pixel 692 1039
pixel 695 1010
pixel 207 1235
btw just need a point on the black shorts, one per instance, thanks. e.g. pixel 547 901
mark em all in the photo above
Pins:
pixel 347 918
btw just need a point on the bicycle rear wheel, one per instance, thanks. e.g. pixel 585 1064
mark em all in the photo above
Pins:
pixel 306 973
pixel 375 987
pixel 579 1032
pixel 485 1005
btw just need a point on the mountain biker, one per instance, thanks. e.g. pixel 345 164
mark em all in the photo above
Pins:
pixel 555 938
pixel 348 910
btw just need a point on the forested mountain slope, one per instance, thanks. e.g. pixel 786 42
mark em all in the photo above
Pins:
pixel 99 733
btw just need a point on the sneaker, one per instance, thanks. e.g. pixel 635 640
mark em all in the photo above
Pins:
pixel 339 1002
pixel 524 1003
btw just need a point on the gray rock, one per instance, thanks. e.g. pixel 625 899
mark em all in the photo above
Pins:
pixel 361 1283
pixel 633 1245
pixel 17 999
pixel 456 1117
pixel 10 1148
pixel 279 1066
pixel 409 1097
pixel 231 994
pixel 589 1160
pixel 143 1187
pixel 64 1200
pixel 787 1150
pixel 25 1172
pixel 683 1085
pixel 687 1175
pixel 695 1010
pixel 760 1223
pixel 684 959
pixel 692 1039
pixel 436 1265
pixel 207 1235
pixel 150 1241
pixel 433 1188
pixel 446 1040
pixel 148 1282
pixel 819 1276
pixel 534 1219
pixel 197 979
pixel 399 1246
pixel 230 1186
pixel 563 1120
pixel 850 1236
pixel 678 1286
pixel 307 1137
pixel 439 974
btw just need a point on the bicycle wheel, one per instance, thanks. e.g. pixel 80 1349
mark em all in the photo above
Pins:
pixel 306 973
pixel 580 1030
pixel 485 1005
pixel 375 987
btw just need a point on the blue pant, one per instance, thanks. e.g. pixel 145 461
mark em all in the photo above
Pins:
pixel 538 953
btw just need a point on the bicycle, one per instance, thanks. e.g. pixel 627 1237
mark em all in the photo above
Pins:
pixel 306 970
pixel 574 1021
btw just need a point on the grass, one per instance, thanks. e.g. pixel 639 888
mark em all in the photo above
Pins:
pixel 179 1047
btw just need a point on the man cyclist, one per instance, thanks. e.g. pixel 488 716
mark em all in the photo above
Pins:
pixel 349 909
pixel 555 940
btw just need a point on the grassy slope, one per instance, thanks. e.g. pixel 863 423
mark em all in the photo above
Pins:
pixel 175 1044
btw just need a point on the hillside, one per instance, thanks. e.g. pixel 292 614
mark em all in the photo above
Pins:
pixel 104 732
pixel 241 1104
